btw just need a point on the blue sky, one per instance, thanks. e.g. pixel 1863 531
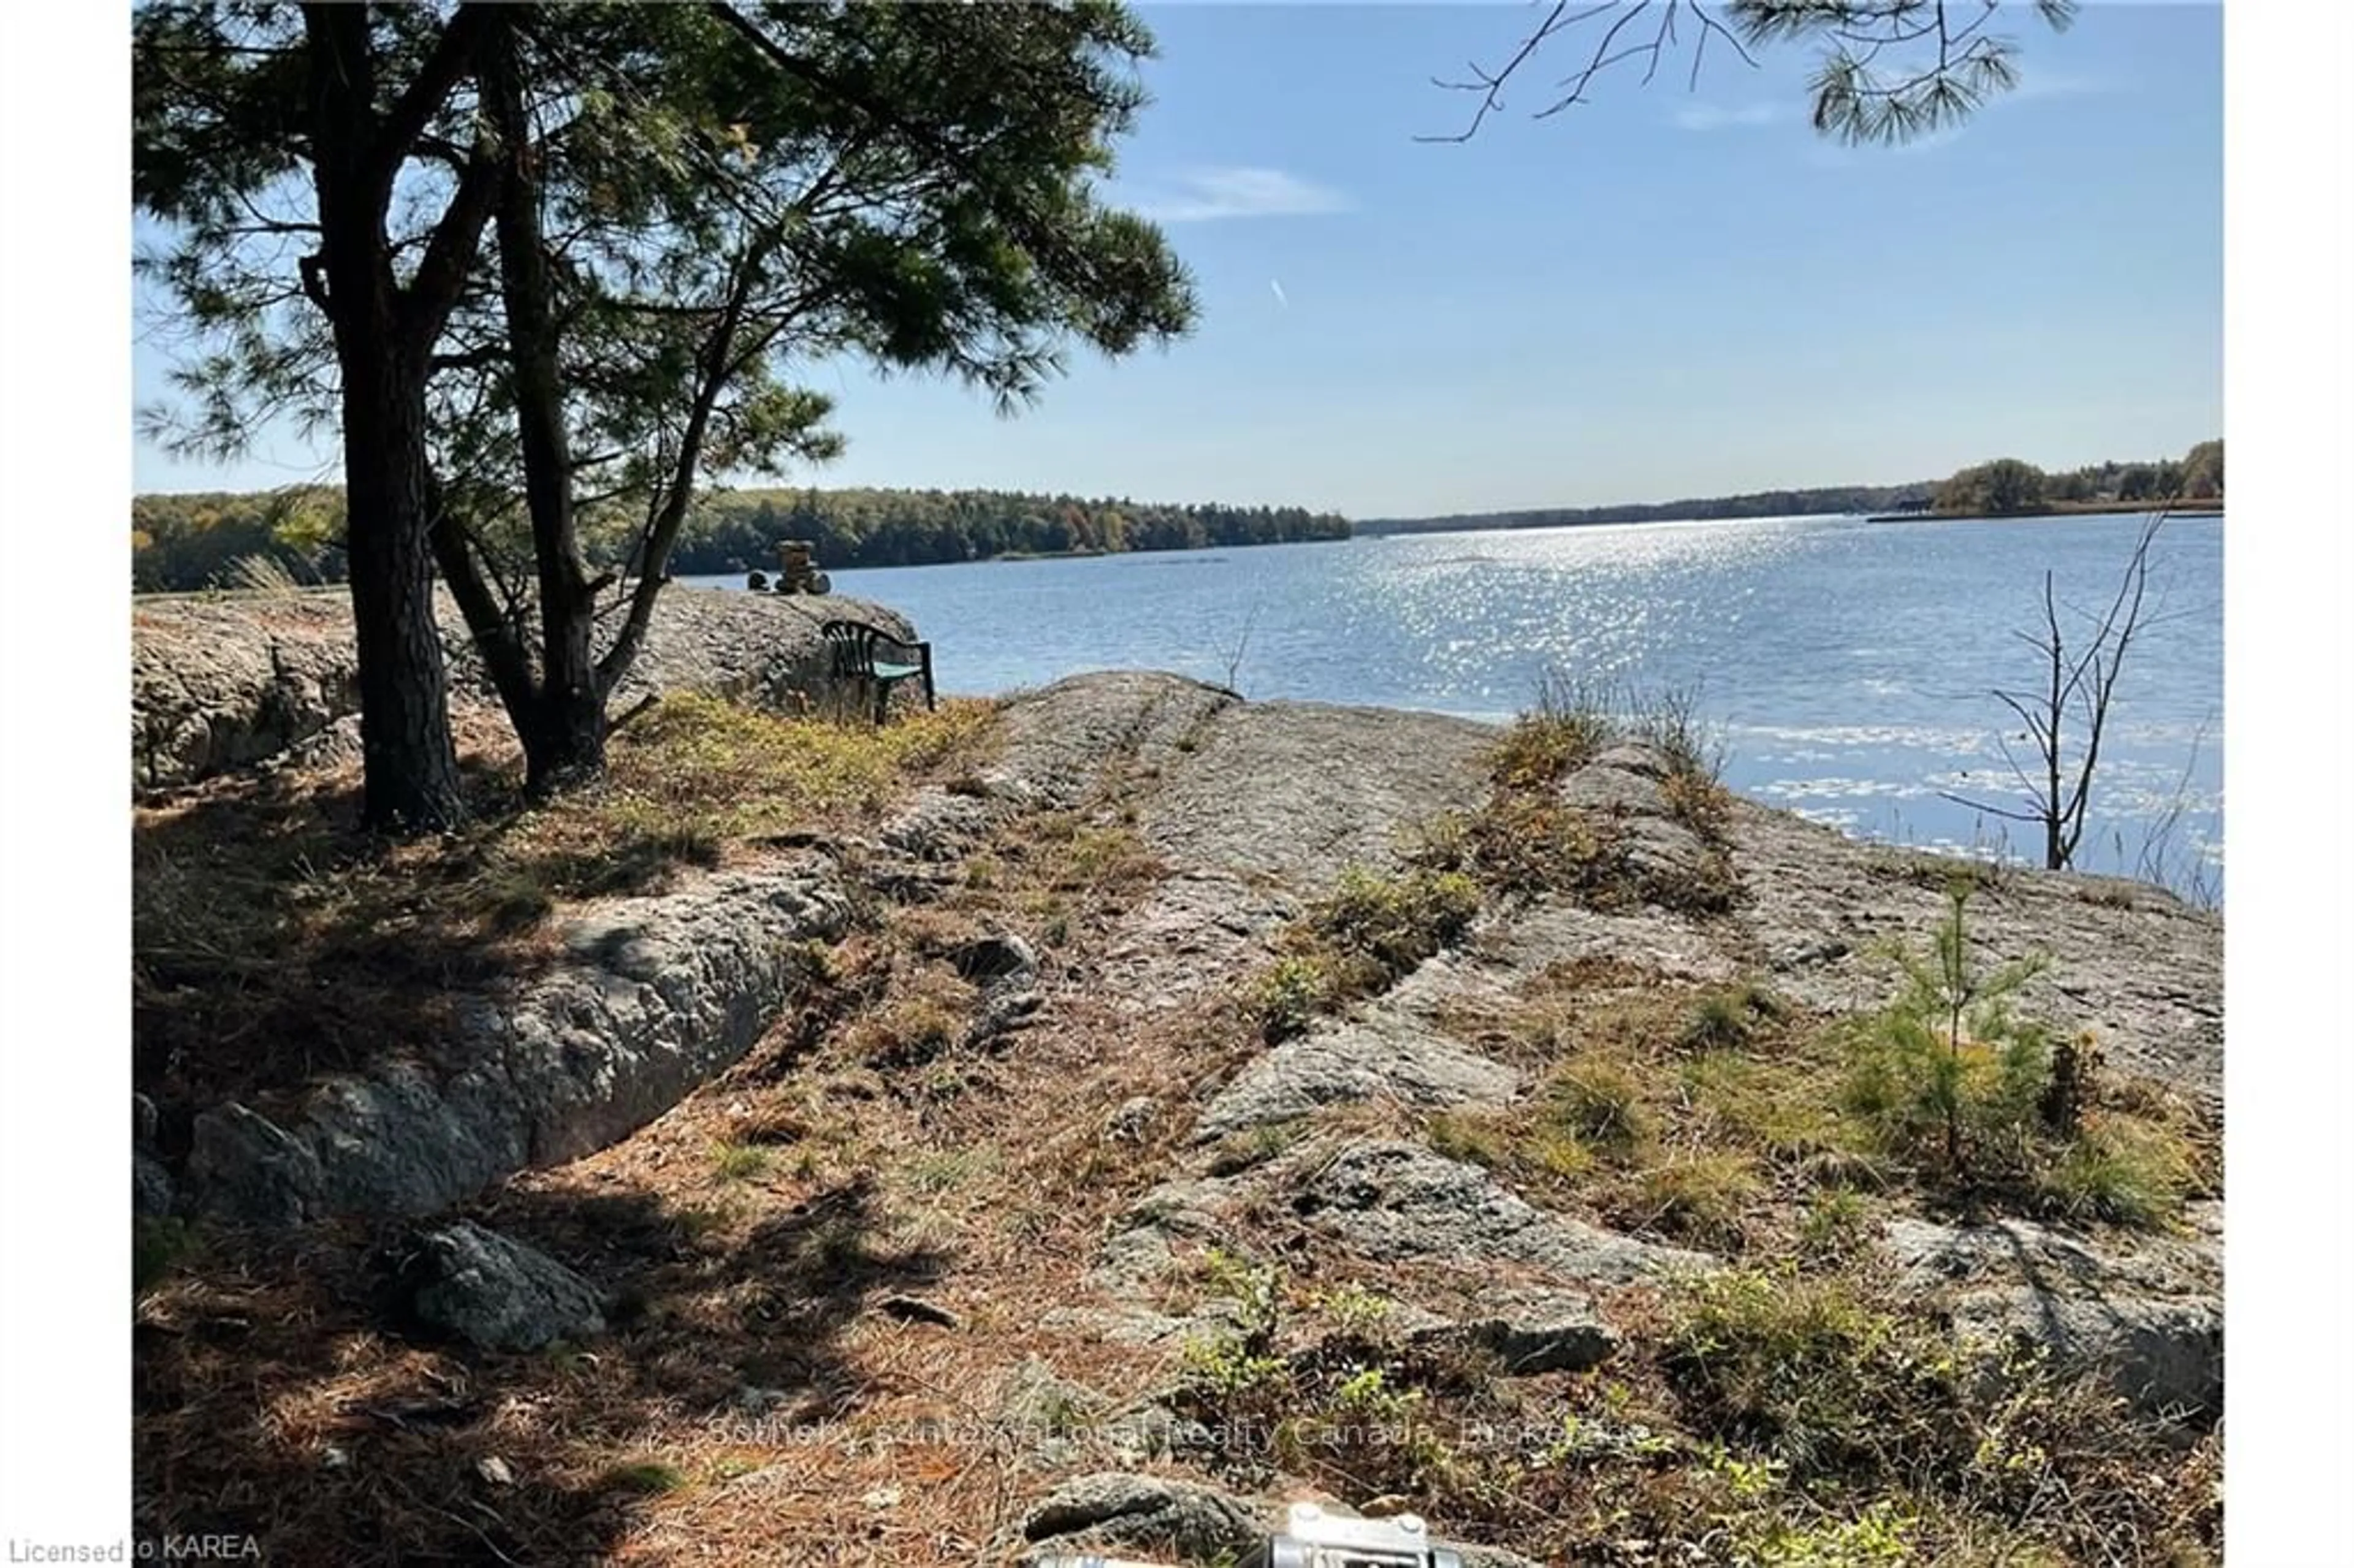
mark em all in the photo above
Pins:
pixel 1663 294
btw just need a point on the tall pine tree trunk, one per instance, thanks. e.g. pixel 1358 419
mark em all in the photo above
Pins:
pixel 409 761
pixel 564 734
pixel 410 764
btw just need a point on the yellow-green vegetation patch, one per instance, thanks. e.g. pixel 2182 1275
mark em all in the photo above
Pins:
pixel 1839 1225
pixel 1805 1361
pixel 1783 1107
pixel 1359 939
pixel 1726 1117
pixel 1985 1107
pixel 1627 1118
pixel 1546 745
pixel 1757 1415
pixel 1845 1405
pixel 1698 802
pixel 1525 840
pixel 1472 1137
pixel 737 770
pixel 1290 994
pixel 732 1161
pixel 1528 842
pixel 1601 1101
pixel 2123 1169
pixel 1353 1309
pixel 1343 1406
pixel 1394 922
pixel 1702 1194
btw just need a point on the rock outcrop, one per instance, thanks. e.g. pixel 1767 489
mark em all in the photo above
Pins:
pixel 1318 1152
pixel 1120 1508
pixel 1400 1203
pixel 1528 1331
pixel 645 999
pixel 1392 1049
pixel 1255 808
pixel 2147 1311
pixel 220 681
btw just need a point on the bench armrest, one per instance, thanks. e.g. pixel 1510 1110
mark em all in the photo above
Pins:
pixel 883 644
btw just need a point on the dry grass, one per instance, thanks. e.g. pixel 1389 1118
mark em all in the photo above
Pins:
pixel 1560 734
pixel 1698 802
pixel 1802 1407
pixel 753 1233
pixel 1724 1116
pixel 1761 1415
pixel 272 939
pixel 1697 1114
pixel 1526 842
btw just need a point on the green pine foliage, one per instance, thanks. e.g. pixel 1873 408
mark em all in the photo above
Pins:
pixel 1948 1065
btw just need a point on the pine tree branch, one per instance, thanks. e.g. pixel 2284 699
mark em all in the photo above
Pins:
pixel 452 59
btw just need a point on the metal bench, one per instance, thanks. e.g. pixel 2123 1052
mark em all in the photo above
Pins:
pixel 870 655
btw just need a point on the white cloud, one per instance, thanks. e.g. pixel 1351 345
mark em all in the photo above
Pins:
pixel 1280 297
pixel 1716 117
pixel 1199 195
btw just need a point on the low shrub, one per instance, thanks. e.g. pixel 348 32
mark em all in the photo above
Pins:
pixel 1950 1081
pixel 1600 1103
pixel 1360 938
pixel 1727 1018
pixel 1809 1367
pixel 1568 724
pixel 1701 1196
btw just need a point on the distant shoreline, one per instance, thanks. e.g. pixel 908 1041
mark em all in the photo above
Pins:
pixel 2061 509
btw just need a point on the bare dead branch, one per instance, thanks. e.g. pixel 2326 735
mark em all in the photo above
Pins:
pixel 1573 89
pixel 2008 813
pixel 1960 63
pixel 2077 696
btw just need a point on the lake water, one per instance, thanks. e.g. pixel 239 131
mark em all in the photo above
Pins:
pixel 1847 668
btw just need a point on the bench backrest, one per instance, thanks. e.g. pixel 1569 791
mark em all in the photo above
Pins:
pixel 853 643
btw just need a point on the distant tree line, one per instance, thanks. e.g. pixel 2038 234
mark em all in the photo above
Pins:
pixel 2008 486
pixel 1761 503
pixel 737 530
pixel 196 541
pixel 181 543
